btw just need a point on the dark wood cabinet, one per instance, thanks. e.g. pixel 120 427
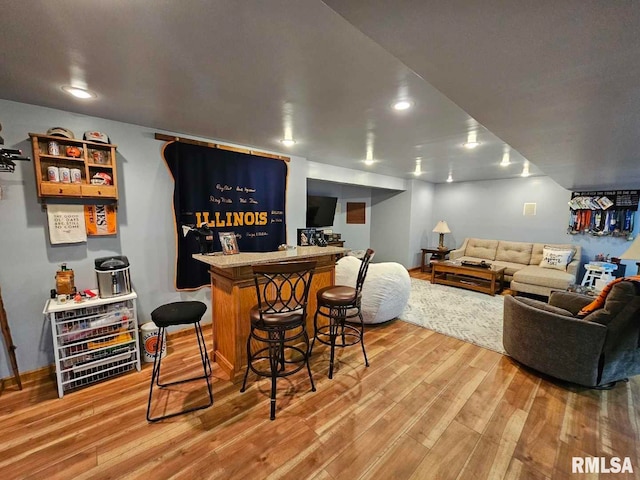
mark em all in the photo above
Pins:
pixel 435 254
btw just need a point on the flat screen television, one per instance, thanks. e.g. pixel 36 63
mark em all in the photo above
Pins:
pixel 320 211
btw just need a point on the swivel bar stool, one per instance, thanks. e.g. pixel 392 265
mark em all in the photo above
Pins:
pixel 338 304
pixel 179 313
pixel 278 323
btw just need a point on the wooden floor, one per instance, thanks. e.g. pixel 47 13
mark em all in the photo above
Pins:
pixel 429 406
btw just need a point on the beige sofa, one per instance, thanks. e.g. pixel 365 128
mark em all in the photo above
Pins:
pixel 521 261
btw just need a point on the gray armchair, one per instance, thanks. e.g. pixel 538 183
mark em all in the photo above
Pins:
pixel 593 351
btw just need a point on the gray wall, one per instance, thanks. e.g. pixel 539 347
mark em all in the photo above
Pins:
pixel 357 237
pixel 493 209
pixel 28 262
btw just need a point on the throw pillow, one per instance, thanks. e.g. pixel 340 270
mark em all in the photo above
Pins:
pixel 602 298
pixel 556 258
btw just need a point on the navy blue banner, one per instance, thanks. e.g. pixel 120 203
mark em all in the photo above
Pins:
pixel 226 192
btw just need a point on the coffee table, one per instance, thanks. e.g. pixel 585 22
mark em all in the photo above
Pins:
pixel 485 280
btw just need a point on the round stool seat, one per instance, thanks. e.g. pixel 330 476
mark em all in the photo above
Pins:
pixel 275 319
pixel 178 313
pixel 337 295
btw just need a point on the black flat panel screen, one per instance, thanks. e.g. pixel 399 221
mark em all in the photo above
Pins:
pixel 320 211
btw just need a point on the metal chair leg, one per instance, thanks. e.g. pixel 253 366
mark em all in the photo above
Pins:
pixel 155 374
pixel 366 361
pixel 246 373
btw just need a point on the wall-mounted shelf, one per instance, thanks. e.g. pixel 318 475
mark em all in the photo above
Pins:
pixel 603 213
pixel 94 158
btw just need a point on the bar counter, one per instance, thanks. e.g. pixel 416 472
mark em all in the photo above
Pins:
pixel 233 295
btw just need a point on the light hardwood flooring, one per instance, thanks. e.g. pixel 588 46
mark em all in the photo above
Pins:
pixel 429 406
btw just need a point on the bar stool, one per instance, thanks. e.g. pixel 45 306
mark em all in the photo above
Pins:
pixel 278 323
pixel 339 303
pixel 179 313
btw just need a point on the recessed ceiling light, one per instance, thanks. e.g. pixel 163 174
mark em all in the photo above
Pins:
pixel 79 92
pixel 288 142
pixel 525 170
pixel 450 178
pixel 402 105
pixel 505 160
pixel 471 145
pixel 369 161
pixel 418 171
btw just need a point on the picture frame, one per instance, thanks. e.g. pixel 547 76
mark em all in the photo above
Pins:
pixel 229 243
pixel 306 237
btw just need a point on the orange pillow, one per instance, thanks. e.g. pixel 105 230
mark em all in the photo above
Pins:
pixel 602 298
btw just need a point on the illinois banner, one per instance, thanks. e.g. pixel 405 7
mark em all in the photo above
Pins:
pixel 227 191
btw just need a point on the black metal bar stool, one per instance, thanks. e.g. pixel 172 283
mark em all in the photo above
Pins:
pixel 339 304
pixel 278 323
pixel 179 313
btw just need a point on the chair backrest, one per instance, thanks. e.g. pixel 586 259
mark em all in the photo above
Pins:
pixel 364 267
pixel 283 287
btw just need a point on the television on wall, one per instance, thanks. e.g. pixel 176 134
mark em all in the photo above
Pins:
pixel 320 211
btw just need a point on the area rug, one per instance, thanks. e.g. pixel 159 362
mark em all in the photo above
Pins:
pixel 464 314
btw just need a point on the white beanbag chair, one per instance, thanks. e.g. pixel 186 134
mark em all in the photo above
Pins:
pixel 386 288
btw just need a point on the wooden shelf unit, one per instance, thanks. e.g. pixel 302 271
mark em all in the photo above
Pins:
pixel 85 163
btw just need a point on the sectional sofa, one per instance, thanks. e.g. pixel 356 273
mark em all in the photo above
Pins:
pixel 524 264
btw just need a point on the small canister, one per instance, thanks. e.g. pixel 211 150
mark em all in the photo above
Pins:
pixel 65 175
pixel 76 175
pixel 53 173
pixel 54 148
pixel 98 157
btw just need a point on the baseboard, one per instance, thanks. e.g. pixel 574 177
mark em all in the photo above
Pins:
pixel 48 372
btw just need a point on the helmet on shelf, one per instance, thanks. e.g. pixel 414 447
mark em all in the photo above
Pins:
pixel 101 178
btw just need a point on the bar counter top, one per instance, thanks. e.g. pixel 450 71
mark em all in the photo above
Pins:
pixel 255 258
pixel 233 295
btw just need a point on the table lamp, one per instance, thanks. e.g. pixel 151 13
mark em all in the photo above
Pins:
pixel 633 252
pixel 442 228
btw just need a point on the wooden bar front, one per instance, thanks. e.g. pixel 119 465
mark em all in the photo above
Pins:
pixel 233 295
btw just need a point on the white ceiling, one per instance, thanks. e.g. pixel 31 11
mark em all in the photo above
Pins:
pixel 555 80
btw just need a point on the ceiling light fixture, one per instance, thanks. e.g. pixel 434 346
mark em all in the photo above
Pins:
pixel 369 161
pixel 288 142
pixel 525 170
pixel 418 171
pixel 450 178
pixel 402 105
pixel 78 92
pixel 506 160
pixel 472 141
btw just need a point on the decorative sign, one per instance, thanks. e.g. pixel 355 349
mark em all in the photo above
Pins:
pixel 100 220
pixel 603 200
pixel 227 191
pixel 66 224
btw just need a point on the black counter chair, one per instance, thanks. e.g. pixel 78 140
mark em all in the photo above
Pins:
pixel 179 313
pixel 338 304
pixel 278 323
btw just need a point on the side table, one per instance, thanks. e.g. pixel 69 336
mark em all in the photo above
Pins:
pixel 436 254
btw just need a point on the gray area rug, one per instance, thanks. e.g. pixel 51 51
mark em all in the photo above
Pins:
pixel 470 316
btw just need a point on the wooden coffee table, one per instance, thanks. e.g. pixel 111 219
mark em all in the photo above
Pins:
pixel 485 280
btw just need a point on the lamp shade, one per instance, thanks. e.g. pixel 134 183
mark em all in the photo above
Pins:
pixel 442 227
pixel 633 252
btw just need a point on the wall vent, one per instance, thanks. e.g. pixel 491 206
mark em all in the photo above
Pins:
pixel 529 209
